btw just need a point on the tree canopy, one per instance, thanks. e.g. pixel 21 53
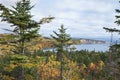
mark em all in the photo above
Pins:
pixel 20 17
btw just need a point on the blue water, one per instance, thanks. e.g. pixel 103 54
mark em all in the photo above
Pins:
pixel 89 47
pixel 92 47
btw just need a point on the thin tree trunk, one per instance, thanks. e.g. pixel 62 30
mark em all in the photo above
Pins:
pixel 111 39
pixel 22 41
pixel 21 70
pixel 61 71
pixel 61 67
pixel 22 48
pixel 110 54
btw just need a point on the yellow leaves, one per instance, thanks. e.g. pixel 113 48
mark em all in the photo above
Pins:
pixel 53 63
pixel 7 69
pixel 70 69
pixel 82 67
pixel 6 49
pixel 39 43
pixel 72 64
pixel 92 66
pixel 10 67
pixel 101 63
pixel 52 58
pixel 97 67
pixel 5 77
pixel 28 65
pixel 35 47
pixel 83 79
pixel 48 70
pixel 86 71
pixel 21 61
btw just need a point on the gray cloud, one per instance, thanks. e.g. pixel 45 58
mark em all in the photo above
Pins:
pixel 81 17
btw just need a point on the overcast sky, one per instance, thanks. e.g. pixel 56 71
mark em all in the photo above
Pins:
pixel 82 18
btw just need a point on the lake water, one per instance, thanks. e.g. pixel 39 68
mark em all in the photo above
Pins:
pixel 89 47
pixel 92 47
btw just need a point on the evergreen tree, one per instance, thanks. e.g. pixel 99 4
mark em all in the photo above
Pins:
pixel 62 39
pixel 111 30
pixel 21 19
pixel 25 28
pixel 113 64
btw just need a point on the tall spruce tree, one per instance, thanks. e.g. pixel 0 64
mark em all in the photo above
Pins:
pixel 21 19
pixel 62 39
pixel 111 30
pixel 25 28
pixel 113 64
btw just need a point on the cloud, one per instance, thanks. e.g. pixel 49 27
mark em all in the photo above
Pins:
pixel 84 5
pixel 81 17
pixel 9 3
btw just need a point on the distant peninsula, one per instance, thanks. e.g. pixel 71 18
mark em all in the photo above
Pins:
pixel 87 41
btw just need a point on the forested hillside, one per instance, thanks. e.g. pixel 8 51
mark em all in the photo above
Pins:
pixel 22 57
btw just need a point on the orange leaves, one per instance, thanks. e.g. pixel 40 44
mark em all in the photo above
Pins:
pixel 51 69
pixel 92 66
pixel 96 66
pixel 82 67
pixel 48 71
pixel 71 70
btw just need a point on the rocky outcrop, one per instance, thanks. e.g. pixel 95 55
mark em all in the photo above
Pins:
pixel 90 41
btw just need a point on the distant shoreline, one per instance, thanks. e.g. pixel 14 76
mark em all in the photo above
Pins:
pixel 88 41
